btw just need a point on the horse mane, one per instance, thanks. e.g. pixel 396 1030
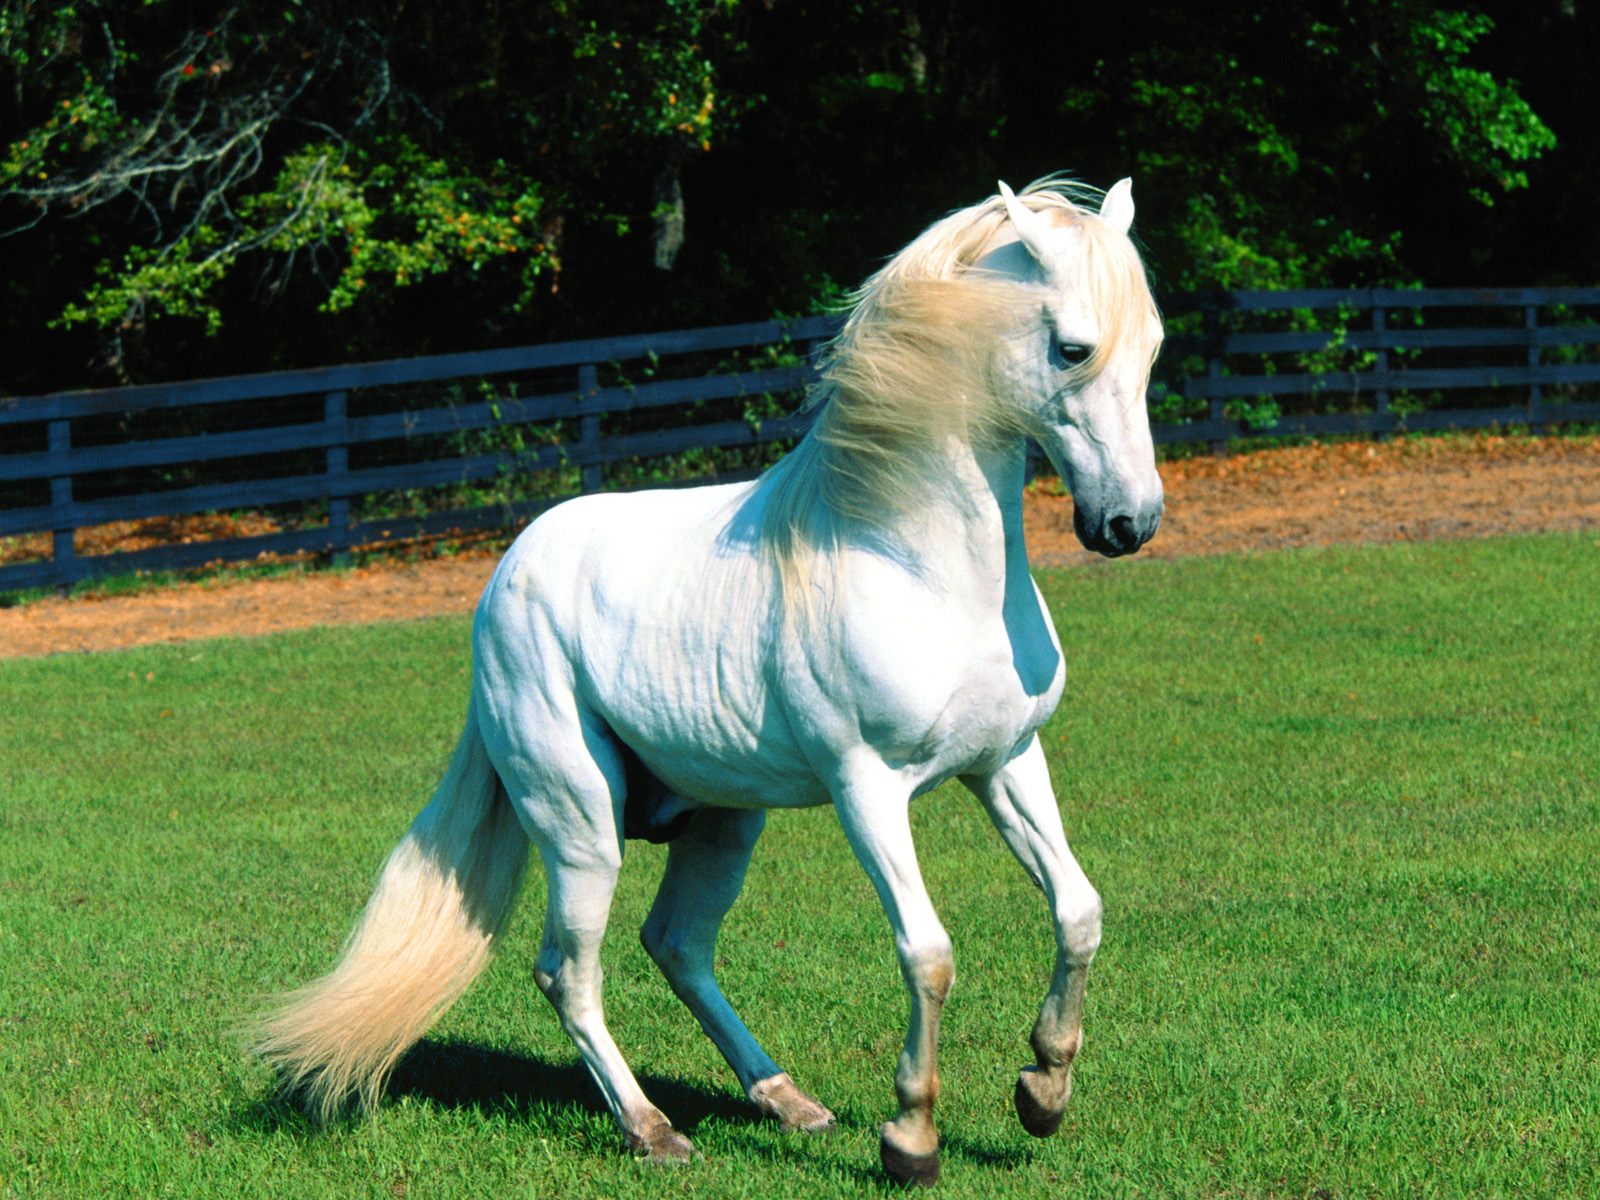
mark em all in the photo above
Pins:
pixel 914 367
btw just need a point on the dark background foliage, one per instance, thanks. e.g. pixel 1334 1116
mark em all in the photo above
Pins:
pixel 198 188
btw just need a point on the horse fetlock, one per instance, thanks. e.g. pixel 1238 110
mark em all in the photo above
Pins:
pixel 1041 1099
pixel 909 1150
pixel 794 1110
pixel 917 1089
pixel 1053 1050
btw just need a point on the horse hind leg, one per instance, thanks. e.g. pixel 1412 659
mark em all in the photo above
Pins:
pixel 575 818
pixel 568 973
pixel 706 865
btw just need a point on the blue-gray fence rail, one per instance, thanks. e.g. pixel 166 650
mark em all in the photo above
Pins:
pixel 1397 356
pixel 73 460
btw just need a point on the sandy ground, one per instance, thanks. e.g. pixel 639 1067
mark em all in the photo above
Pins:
pixel 1351 492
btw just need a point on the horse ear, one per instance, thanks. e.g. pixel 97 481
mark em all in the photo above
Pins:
pixel 1117 207
pixel 1030 226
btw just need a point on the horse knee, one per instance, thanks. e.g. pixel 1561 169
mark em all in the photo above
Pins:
pixel 1079 923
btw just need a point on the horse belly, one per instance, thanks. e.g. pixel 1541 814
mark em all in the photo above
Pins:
pixel 714 780
pixel 716 748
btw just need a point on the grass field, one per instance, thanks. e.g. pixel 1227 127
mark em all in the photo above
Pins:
pixel 1343 807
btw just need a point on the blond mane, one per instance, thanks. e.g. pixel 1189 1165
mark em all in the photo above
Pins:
pixel 914 366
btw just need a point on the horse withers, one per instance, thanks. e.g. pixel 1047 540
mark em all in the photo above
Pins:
pixel 853 628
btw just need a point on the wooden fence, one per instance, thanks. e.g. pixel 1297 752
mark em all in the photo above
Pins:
pixel 313 443
pixel 317 412
pixel 1493 341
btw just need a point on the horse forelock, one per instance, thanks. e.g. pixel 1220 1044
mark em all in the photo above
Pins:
pixel 915 365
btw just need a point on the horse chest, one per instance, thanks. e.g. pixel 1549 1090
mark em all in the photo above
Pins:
pixel 955 697
pixel 987 718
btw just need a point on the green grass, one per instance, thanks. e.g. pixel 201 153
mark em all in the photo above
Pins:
pixel 1343 806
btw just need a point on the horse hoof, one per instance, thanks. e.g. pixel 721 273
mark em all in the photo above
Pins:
pixel 662 1145
pixel 813 1119
pixel 795 1111
pixel 1039 1111
pixel 905 1167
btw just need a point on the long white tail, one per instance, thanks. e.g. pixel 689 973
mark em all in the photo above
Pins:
pixel 428 930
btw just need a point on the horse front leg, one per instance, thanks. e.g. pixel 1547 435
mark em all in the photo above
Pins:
pixel 1022 804
pixel 875 815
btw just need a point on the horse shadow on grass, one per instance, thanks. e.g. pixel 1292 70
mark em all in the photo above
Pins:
pixel 463 1075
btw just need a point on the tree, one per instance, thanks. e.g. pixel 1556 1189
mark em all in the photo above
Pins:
pixel 385 179
pixel 352 150
pixel 1284 133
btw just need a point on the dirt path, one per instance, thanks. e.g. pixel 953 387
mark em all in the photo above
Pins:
pixel 1354 492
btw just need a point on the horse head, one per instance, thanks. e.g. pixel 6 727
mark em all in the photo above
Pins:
pixel 1077 372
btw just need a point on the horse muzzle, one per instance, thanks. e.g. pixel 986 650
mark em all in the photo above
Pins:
pixel 1116 534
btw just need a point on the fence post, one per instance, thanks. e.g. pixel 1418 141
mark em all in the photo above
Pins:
pixel 1380 401
pixel 338 466
pixel 63 555
pixel 1215 347
pixel 589 427
pixel 1530 322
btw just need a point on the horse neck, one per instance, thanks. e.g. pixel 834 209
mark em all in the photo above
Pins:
pixel 969 532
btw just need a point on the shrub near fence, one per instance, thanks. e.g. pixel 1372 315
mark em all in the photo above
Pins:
pixel 318 445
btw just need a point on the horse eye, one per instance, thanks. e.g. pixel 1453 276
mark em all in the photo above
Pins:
pixel 1067 355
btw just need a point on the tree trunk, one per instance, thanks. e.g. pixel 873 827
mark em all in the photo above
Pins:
pixel 668 216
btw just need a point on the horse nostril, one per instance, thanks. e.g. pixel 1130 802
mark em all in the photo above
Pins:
pixel 1123 533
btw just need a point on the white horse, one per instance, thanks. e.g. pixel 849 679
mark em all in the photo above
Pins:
pixel 854 628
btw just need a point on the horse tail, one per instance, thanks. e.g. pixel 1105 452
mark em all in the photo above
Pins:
pixel 430 928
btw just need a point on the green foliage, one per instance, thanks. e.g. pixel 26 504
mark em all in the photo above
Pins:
pixel 175 280
pixel 1482 122
pixel 82 122
pixel 1268 124
pixel 206 161
pixel 400 214
pixel 384 196
pixel 389 215
pixel 649 81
